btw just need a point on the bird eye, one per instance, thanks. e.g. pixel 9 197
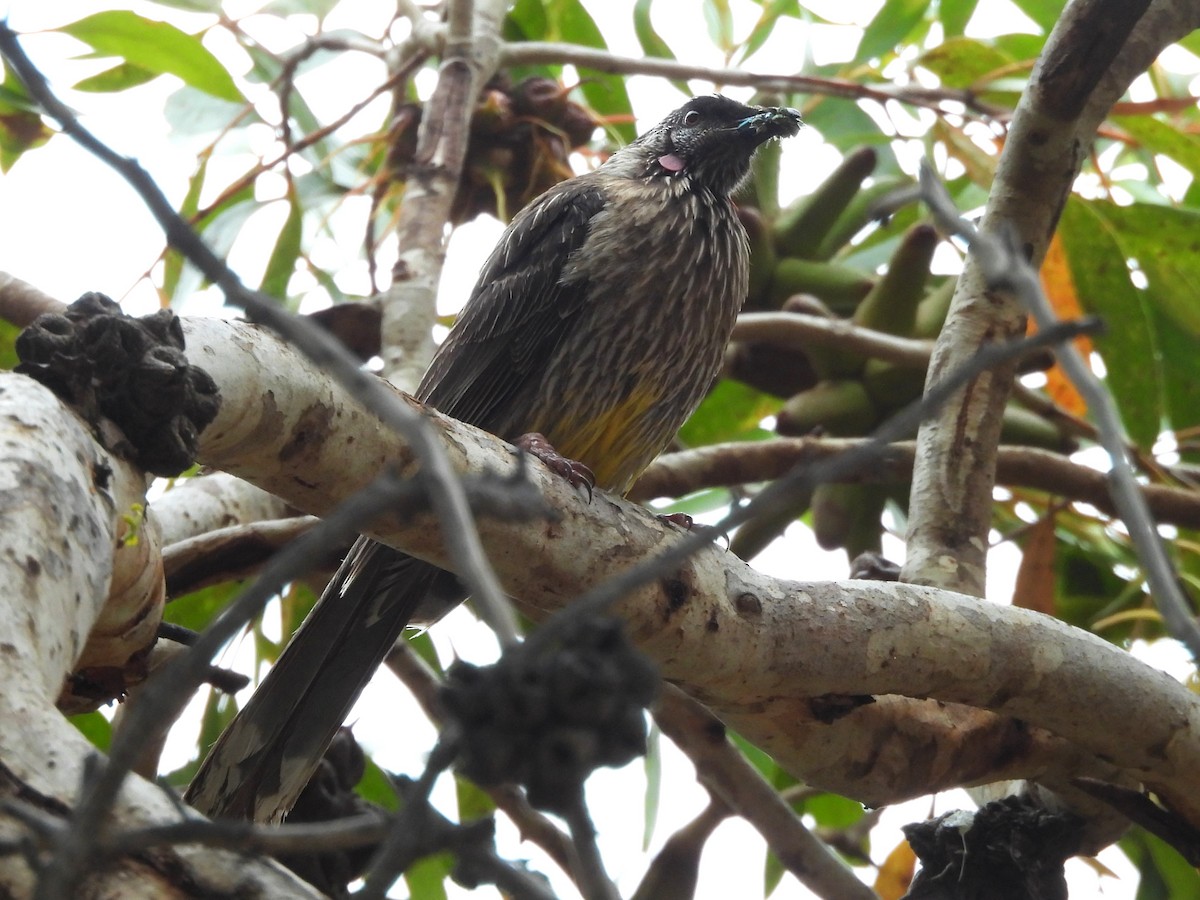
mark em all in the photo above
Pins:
pixel 692 118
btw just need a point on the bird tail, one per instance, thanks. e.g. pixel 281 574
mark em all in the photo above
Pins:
pixel 263 760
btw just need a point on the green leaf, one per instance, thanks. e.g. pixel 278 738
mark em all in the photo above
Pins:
pixel 766 766
pixel 651 41
pixel 1020 46
pixel 719 19
pixel 426 879
pixel 473 802
pixel 1163 873
pixel 282 263
pixel 422 644
pixel 955 14
pixel 772 10
pixel 1159 137
pixel 1191 43
pixel 526 21
pixel 833 810
pixel 376 787
pixel 772 874
pixel 1182 369
pixel 1165 241
pixel 8 345
pixel 1128 345
pixel 94 727
pixel 1044 12
pixel 891 25
pixel 732 411
pixel 156 46
pixel 653 769
pixel 197 609
pixel 605 93
pixel 119 78
pixel 961 62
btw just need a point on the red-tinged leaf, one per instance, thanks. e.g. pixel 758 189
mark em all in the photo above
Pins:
pixel 1035 578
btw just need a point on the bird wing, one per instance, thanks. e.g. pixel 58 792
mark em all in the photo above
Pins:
pixel 518 312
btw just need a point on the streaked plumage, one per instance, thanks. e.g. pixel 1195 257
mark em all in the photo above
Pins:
pixel 599 320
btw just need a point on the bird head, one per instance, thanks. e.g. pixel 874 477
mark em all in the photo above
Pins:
pixel 709 141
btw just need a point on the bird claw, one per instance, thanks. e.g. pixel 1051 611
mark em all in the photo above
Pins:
pixel 576 473
pixel 683 520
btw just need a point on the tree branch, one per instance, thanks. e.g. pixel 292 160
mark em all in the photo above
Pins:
pixel 409 305
pixel 729 465
pixel 518 53
pixel 950 509
pixel 797 330
pixel 729 775
pixel 1004 270
pixel 46 610
pixel 754 648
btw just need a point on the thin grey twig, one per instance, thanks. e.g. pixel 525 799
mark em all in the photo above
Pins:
pixel 593 881
pixel 1006 269
pixel 547 52
pixel 410 835
pixel 726 772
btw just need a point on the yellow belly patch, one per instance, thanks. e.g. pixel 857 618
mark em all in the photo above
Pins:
pixel 608 445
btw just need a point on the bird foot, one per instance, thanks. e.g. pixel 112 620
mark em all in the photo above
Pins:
pixel 576 473
pixel 683 520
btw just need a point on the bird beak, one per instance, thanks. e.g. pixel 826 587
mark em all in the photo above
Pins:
pixel 773 121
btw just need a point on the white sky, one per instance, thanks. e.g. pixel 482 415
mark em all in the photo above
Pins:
pixel 69 225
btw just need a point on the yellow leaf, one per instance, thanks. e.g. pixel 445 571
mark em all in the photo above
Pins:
pixel 896 873
pixel 1059 288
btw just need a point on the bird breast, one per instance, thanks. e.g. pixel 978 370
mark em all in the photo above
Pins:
pixel 666 274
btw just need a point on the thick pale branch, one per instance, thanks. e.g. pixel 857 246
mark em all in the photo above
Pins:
pixel 409 305
pixel 753 648
pixel 197 506
pixel 1055 122
pixel 65 503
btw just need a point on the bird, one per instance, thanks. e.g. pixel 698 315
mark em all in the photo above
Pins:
pixel 596 326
